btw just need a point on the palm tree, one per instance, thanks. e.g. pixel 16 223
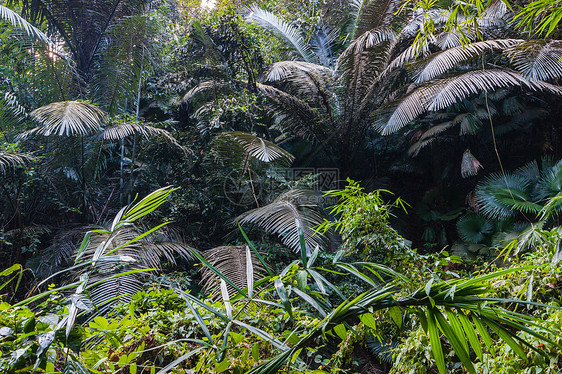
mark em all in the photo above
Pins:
pixel 86 129
pixel 83 25
pixel 383 81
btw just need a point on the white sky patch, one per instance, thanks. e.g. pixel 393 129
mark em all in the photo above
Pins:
pixel 208 4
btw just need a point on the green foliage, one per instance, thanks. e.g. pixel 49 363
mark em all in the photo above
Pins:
pixel 363 221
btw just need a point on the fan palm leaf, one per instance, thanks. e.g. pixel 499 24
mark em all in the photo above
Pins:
pixel 501 196
pixel 474 228
pixel 550 183
pixel 68 118
pixel 286 216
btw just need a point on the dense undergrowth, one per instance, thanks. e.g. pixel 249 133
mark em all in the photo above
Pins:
pixel 267 255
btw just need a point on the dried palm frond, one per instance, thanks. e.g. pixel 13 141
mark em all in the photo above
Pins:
pixel 428 137
pixel 469 165
pixel 286 216
pixel 537 59
pixel 232 262
pixel 68 118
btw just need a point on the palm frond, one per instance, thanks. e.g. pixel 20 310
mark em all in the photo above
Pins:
pixel 440 94
pixel 282 70
pixel 428 137
pixel 537 59
pixel 371 14
pixel 68 118
pixel 293 113
pixel 367 40
pixel 259 148
pixel 550 183
pixel 231 261
pixel 16 20
pixel 121 130
pixel 469 165
pixel 286 216
pixel 474 228
pixel 441 62
pixel 13 160
pixel 115 257
pixel 283 30
pixel 322 43
pixel 205 87
pixel 500 196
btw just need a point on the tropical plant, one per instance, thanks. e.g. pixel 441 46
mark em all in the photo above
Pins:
pixel 6 14
pixel 369 85
pixel 525 191
pixel 292 216
pixel 107 266
pixel 362 220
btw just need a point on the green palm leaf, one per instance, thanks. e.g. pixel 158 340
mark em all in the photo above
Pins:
pixel 441 62
pixel 282 29
pixel 442 93
pixel 16 20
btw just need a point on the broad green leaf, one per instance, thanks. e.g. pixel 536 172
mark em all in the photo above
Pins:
pixel 396 315
pixel 341 331
pixel 369 320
